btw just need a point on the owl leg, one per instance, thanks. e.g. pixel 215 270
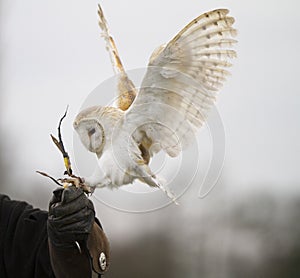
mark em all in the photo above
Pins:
pixel 97 181
pixel 149 178
pixel 105 182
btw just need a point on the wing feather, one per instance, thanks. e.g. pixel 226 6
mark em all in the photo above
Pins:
pixel 126 88
pixel 181 83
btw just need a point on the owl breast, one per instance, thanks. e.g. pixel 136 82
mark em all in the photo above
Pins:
pixel 116 170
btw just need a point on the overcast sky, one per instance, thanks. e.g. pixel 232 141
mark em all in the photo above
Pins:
pixel 52 55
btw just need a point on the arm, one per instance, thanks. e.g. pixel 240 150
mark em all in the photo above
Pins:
pixel 26 250
pixel 23 240
pixel 77 243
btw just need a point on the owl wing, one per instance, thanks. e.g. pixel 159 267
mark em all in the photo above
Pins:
pixel 181 84
pixel 126 89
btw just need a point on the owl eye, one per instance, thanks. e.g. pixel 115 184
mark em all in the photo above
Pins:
pixel 91 132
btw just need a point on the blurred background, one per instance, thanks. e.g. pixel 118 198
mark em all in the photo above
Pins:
pixel 52 56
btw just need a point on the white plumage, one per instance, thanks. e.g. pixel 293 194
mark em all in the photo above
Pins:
pixel 178 90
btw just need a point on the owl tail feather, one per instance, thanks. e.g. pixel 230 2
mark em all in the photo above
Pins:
pixel 166 190
pixel 152 180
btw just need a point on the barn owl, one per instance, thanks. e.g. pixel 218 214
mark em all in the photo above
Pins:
pixel 176 94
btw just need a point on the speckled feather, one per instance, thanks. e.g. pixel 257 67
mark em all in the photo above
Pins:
pixel 176 95
pixel 182 81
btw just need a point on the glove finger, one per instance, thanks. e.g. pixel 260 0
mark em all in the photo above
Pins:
pixel 56 197
pixel 67 238
pixel 90 205
pixel 79 226
pixel 71 193
pixel 60 222
pixel 63 231
pixel 62 210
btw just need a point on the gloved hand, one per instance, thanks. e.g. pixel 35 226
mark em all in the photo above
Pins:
pixel 71 216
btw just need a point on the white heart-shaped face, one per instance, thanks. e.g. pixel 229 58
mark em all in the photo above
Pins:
pixel 91 134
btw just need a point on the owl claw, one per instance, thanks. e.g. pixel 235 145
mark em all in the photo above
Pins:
pixel 79 183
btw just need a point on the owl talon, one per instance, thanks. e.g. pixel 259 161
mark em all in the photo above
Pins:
pixel 78 183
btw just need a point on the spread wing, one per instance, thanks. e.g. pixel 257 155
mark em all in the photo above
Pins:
pixel 126 88
pixel 181 84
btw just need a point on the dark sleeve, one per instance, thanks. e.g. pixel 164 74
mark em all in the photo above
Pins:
pixel 23 240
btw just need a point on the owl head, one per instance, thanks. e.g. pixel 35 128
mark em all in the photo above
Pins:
pixel 90 130
pixel 94 126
